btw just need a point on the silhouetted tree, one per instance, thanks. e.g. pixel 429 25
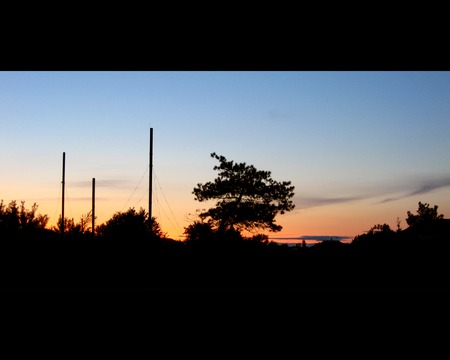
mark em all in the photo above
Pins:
pixel 375 240
pixel 198 231
pixel 17 221
pixel 130 225
pixel 399 228
pixel 261 238
pixel 425 215
pixel 85 222
pixel 75 230
pixel 383 228
pixel 247 198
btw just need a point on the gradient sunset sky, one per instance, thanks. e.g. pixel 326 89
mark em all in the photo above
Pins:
pixel 361 148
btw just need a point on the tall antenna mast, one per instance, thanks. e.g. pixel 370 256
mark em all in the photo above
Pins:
pixel 93 207
pixel 63 186
pixel 150 178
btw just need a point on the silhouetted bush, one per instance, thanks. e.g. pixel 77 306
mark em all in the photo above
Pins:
pixel 17 222
pixel 131 251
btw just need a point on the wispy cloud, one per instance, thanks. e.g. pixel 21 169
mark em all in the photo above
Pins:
pixel 392 191
pixel 315 237
pixel 85 198
pixel 309 202
pixel 325 237
pixel 112 183
pixel 423 187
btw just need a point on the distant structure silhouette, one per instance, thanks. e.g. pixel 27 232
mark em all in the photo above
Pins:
pixel 93 207
pixel 63 182
pixel 150 168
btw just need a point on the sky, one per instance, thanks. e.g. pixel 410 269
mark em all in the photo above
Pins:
pixel 361 147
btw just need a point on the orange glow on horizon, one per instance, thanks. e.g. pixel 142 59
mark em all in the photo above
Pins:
pixel 349 219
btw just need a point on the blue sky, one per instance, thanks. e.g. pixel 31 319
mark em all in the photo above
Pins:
pixel 361 148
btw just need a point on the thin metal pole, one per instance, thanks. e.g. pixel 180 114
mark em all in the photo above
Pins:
pixel 93 206
pixel 150 177
pixel 63 188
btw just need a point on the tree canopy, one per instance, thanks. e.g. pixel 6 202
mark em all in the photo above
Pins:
pixel 131 224
pixel 247 198
pixel 425 214
pixel 17 221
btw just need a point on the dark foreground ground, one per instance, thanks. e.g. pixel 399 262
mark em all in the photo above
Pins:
pixel 140 265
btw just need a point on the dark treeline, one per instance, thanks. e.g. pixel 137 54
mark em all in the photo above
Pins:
pixel 131 250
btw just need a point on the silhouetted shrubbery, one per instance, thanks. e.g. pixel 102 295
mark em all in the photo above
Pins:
pixel 130 250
